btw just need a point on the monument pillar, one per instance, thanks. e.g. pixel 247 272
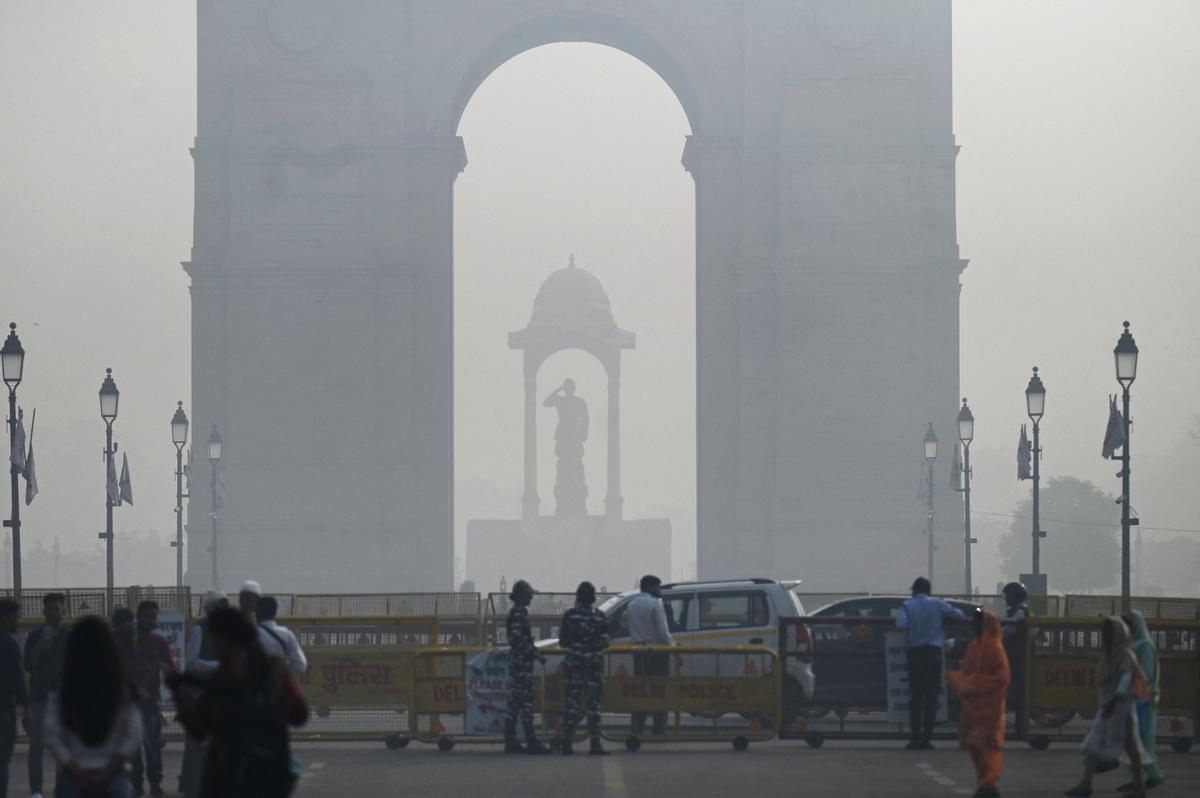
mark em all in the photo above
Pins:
pixel 613 501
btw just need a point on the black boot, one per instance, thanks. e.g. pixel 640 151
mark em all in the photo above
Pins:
pixel 597 749
pixel 532 746
pixel 511 746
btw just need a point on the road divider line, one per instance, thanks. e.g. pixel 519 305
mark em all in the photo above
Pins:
pixel 614 780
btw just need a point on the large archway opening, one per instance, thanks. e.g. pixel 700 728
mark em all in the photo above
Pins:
pixel 575 149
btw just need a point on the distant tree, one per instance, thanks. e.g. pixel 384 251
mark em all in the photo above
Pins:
pixel 1082 548
pixel 1169 567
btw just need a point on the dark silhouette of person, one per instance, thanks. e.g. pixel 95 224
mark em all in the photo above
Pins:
pixel 570 486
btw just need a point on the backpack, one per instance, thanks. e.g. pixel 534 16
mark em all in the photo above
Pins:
pixel 256 760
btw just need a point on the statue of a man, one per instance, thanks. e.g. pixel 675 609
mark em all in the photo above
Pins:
pixel 570 487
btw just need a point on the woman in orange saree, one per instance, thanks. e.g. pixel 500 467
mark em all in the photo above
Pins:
pixel 981 684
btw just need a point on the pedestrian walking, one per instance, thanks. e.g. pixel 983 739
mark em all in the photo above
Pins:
pixel 93 722
pixel 647 618
pixel 522 653
pixel 923 618
pixel 278 641
pixel 1014 630
pixel 14 697
pixel 43 661
pixel 584 633
pixel 1114 731
pixel 1147 711
pixel 154 660
pixel 981 684
pixel 200 662
pixel 243 710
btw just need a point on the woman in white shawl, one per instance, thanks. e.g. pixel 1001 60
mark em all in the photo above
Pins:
pixel 1115 729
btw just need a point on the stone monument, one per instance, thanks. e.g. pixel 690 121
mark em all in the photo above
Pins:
pixel 571 311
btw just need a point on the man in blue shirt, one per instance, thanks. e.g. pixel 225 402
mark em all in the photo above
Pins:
pixel 922 618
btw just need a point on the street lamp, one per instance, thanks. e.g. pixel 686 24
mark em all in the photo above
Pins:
pixel 1035 407
pixel 931 446
pixel 109 399
pixel 966 433
pixel 12 363
pixel 214 457
pixel 1125 357
pixel 179 431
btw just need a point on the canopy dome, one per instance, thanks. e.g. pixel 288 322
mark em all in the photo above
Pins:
pixel 572 297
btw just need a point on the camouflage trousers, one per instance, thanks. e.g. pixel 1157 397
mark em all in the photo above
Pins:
pixel 520 700
pixel 584 673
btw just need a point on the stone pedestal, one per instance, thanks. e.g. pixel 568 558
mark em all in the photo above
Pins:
pixel 556 554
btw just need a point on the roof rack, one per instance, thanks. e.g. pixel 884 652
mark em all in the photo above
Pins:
pixel 756 580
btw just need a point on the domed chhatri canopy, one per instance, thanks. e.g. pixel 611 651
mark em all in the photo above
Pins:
pixel 572 311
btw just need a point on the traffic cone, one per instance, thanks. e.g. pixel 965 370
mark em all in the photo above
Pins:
pixel 435 725
pixel 622 671
pixel 751 668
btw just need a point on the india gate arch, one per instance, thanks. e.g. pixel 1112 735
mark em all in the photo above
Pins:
pixel 827 276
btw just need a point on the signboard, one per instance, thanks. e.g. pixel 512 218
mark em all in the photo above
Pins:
pixel 173 627
pixel 356 677
pixel 690 694
pixel 488 687
pixel 896 662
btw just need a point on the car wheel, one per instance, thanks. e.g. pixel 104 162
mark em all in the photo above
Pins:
pixel 632 743
pixel 446 744
pixel 395 742
pixel 1039 742
pixel 815 739
pixel 740 743
pixel 1182 745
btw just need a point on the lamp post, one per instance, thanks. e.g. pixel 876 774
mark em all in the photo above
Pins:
pixel 931 445
pixel 12 362
pixel 214 457
pixel 1125 355
pixel 109 399
pixel 179 431
pixel 966 433
pixel 1035 407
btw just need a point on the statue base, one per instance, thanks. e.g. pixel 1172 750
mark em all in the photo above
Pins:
pixel 556 553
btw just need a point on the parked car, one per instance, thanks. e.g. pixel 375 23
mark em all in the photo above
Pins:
pixel 723 613
pixel 848 659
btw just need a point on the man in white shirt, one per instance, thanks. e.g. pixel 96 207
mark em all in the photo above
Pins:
pixel 278 641
pixel 647 619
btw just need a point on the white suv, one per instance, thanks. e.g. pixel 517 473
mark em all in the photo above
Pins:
pixel 736 612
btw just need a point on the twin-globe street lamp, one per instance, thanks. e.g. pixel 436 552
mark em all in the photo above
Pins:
pixel 179 432
pixel 109 399
pixel 966 433
pixel 931 447
pixel 12 363
pixel 1125 357
pixel 214 457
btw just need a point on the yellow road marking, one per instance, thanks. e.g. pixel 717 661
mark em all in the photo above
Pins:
pixel 614 781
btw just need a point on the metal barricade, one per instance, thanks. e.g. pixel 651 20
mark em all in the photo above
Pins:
pixel 702 694
pixel 857 679
pixel 1062 690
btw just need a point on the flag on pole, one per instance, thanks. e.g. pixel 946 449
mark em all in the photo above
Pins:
pixel 187 473
pixel 1024 456
pixel 1114 436
pixel 31 486
pixel 114 490
pixel 956 470
pixel 126 486
pixel 17 454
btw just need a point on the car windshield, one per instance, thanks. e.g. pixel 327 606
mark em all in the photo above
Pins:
pixel 608 605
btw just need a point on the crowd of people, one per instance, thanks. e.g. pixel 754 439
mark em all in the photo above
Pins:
pixel 93 695
pixel 1126 675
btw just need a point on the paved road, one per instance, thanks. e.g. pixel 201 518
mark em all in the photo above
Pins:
pixel 861 770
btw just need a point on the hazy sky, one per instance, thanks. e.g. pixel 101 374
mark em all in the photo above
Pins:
pixel 1078 190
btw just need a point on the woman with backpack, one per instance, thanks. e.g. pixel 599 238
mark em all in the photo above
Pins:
pixel 93 722
pixel 244 710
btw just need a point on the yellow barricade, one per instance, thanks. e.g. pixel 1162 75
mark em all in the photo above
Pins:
pixel 707 694
pixel 1062 690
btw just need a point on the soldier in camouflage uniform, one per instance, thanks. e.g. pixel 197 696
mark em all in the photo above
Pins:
pixel 584 633
pixel 520 671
